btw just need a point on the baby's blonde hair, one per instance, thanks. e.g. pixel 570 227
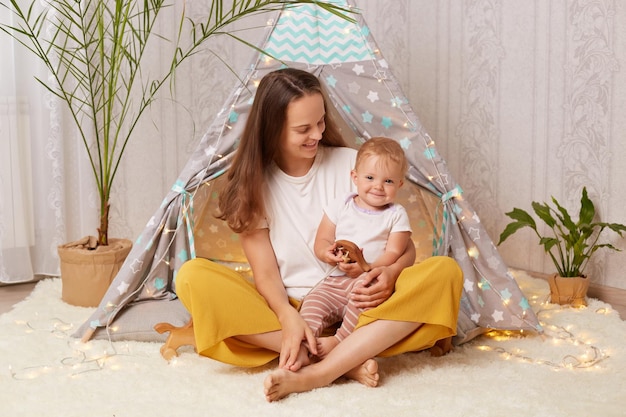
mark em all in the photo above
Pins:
pixel 388 149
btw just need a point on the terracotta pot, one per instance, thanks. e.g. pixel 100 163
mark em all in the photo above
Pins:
pixel 568 290
pixel 86 274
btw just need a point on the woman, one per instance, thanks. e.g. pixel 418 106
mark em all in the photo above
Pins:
pixel 291 163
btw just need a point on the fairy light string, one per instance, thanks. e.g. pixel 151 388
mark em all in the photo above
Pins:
pixel 87 358
pixel 80 360
pixel 588 356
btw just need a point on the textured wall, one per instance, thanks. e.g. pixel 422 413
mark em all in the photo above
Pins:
pixel 526 100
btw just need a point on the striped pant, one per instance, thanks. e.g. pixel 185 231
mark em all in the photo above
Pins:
pixel 329 303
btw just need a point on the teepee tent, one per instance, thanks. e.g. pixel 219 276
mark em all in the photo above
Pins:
pixel 368 99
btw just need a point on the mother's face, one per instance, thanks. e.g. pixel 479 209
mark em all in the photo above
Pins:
pixel 304 125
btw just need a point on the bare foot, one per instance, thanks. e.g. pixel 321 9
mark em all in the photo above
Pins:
pixel 325 345
pixel 366 373
pixel 302 359
pixel 283 382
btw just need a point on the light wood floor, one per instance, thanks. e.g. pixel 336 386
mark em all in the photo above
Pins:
pixel 13 294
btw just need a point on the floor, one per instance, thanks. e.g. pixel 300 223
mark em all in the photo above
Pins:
pixel 13 294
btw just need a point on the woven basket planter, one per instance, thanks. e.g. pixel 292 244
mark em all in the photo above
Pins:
pixel 568 290
pixel 86 274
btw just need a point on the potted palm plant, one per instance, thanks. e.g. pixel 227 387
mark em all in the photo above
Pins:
pixel 569 243
pixel 93 51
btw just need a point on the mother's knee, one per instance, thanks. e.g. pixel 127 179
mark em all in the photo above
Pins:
pixel 452 267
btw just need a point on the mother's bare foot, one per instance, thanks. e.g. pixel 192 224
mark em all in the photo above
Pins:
pixel 283 382
pixel 366 373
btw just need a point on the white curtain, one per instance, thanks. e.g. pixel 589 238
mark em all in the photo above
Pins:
pixel 47 190
pixel 35 182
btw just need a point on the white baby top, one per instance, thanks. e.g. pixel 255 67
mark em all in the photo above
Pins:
pixel 368 229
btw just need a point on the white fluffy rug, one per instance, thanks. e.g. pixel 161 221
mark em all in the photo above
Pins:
pixel 577 369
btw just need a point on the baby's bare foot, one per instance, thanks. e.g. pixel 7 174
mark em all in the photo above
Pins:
pixel 325 345
pixel 366 373
pixel 302 359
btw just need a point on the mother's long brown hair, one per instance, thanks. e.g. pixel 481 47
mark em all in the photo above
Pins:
pixel 241 200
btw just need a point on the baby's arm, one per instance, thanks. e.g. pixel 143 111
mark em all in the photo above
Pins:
pixel 395 247
pixel 325 246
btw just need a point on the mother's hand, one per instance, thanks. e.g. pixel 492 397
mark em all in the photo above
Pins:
pixel 375 287
pixel 295 331
pixel 380 282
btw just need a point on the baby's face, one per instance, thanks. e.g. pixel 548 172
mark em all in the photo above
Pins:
pixel 377 182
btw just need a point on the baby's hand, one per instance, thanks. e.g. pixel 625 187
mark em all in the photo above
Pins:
pixel 343 254
pixel 352 253
pixel 333 256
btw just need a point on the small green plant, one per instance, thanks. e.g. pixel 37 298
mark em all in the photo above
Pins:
pixel 572 243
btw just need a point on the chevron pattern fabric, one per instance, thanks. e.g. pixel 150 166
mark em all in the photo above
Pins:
pixel 309 35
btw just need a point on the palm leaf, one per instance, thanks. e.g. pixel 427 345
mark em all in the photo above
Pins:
pixel 94 50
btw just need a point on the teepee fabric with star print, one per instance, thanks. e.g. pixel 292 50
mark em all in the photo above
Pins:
pixel 366 95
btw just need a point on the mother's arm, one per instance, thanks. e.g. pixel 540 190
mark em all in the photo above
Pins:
pixel 380 282
pixel 260 254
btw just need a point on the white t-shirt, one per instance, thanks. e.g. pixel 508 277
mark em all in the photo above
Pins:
pixel 368 229
pixel 295 206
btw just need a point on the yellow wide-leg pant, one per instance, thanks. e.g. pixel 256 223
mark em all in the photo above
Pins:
pixel 223 304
